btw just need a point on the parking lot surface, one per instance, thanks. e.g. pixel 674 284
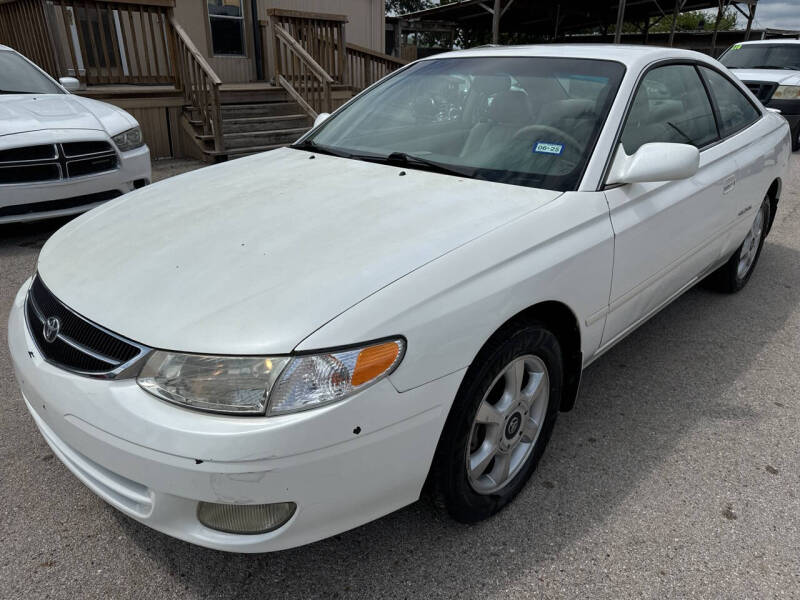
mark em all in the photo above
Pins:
pixel 676 475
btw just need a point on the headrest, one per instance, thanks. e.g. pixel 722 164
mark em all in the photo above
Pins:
pixel 573 108
pixel 510 107
pixel 492 84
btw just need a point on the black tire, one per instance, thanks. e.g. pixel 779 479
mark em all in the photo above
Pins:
pixel 448 480
pixel 728 278
pixel 796 138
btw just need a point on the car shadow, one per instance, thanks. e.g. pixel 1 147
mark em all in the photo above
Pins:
pixel 30 235
pixel 637 402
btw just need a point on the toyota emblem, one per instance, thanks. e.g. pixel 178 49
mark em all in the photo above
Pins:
pixel 51 328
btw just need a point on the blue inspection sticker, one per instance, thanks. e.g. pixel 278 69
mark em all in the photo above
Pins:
pixel 548 148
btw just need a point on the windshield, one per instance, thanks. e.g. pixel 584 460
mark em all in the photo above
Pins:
pixel 18 76
pixel 528 121
pixel 762 56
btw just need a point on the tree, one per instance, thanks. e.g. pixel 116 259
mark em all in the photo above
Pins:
pixel 401 7
pixel 698 20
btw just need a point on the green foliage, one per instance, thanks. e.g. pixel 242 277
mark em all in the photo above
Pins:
pixel 401 7
pixel 698 20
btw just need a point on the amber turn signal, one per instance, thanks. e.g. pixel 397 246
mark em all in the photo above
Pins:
pixel 374 361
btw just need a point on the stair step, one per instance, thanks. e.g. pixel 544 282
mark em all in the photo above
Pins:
pixel 253 124
pixel 263 138
pixel 261 109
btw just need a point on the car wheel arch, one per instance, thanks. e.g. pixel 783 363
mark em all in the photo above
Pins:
pixel 562 321
pixel 774 193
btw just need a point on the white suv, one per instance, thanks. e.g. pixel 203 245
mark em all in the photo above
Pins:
pixel 771 69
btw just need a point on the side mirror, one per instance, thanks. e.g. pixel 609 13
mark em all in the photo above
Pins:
pixel 658 161
pixel 70 83
pixel 777 111
pixel 321 118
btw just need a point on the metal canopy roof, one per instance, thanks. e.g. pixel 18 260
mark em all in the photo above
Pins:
pixel 536 16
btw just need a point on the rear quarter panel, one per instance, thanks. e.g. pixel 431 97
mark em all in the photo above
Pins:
pixel 762 158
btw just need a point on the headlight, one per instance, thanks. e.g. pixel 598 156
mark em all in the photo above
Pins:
pixel 128 140
pixel 271 385
pixel 787 92
pixel 318 379
pixel 214 383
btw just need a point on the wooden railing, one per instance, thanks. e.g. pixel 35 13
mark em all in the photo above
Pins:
pixel 107 42
pixel 305 49
pixel 200 85
pixel 300 75
pixel 23 26
pixel 365 66
pixel 319 34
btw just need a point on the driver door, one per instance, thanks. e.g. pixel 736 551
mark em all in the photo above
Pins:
pixel 667 233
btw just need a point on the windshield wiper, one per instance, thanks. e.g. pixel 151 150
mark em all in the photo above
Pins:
pixel 394 158
pixel 313 146
pixel 784 67
pixel 412 160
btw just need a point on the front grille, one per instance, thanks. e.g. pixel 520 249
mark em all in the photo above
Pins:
pixel 762 90
pixel 54 162
pixel 44 152
pixel 30 173
pixel 83 148
pixel 79 345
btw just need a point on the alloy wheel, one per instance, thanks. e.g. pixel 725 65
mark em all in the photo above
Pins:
pixel 749 251
pixel 507 424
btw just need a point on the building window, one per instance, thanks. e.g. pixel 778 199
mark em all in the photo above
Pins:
pixel 226 18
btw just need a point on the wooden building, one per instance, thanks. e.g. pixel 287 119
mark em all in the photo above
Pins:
pixel 208 78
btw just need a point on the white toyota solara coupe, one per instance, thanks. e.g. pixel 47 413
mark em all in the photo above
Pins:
pixel 61 154
pixel 292 344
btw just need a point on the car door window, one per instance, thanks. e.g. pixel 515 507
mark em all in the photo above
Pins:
pixel 671 105
pixel 734 109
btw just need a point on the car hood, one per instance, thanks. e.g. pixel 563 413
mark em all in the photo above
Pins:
pixel 20 113
pixel 780 76
pixel 252 256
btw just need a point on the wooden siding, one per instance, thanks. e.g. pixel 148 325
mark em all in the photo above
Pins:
pixel 193 17
pixel 366 27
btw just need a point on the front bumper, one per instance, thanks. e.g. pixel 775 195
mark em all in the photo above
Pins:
pixel 790 109
pixel 343 465
pixel 46 200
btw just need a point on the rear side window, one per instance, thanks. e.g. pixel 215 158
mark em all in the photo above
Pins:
pixel 671 105
pixel 735 110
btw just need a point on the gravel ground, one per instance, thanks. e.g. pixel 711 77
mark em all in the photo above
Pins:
pixel 675 476
pixel 162 169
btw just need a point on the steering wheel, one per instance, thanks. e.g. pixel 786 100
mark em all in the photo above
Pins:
pixel 554 133
pixel 511 158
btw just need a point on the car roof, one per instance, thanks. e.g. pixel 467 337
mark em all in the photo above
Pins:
pixel 772 41
pixel 629 55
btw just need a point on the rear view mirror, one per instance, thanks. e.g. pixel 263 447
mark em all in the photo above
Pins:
pixel 658 161
pixel 70 83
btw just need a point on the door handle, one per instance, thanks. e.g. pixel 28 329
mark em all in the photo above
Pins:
pixel 730 183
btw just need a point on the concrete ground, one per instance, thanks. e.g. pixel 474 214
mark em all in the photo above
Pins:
pixel 675 476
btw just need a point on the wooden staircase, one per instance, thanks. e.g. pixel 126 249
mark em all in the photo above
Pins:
pixel 255 118
pixel 230 120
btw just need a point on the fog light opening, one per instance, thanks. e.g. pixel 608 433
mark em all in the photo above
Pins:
pixel 245 519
